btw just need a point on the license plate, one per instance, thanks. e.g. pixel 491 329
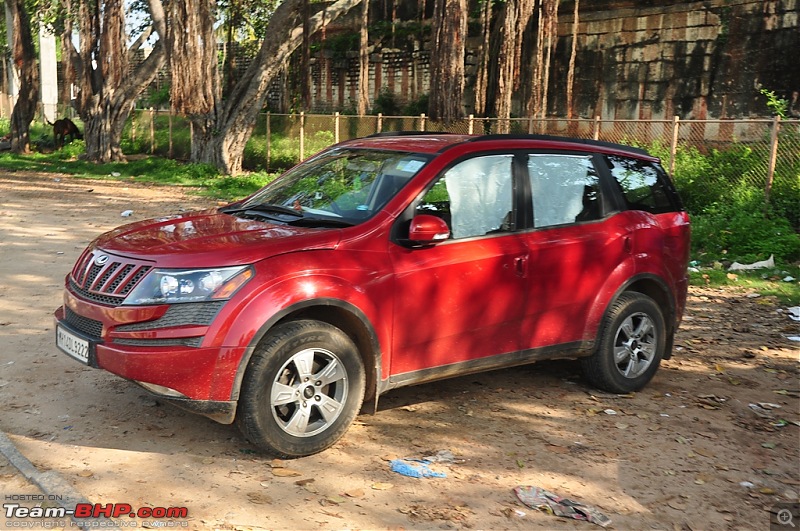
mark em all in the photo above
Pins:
pixel 72 345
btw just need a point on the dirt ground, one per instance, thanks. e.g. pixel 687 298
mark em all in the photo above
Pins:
pixel 687 452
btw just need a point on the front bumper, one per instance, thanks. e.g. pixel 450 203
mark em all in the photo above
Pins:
pixel 198 379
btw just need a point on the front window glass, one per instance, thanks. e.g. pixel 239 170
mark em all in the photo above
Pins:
pixel 474 197
pixel 340 186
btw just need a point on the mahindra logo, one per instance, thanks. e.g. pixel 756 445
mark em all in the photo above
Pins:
pixel 101 259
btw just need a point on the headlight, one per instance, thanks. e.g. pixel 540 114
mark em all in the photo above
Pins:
pixel 170 286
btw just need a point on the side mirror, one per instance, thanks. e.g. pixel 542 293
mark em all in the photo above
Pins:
pixel 427 230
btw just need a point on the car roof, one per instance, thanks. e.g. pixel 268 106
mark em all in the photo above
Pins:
pixel 427 142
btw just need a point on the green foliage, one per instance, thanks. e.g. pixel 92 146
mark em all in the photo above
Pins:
pixel 723 191
pixel 740 230
pixel 158 98
pixel 233 188
pixel 386 103
pixel 415 107
pixel 778 106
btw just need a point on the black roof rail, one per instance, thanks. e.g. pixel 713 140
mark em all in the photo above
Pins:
pixel 571 140
pixel 408 133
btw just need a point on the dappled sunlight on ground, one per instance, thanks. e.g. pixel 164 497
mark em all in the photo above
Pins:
pixel 688 451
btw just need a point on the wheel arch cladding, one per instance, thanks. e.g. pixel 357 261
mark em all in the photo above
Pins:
pixel 657 289
pixel 341 314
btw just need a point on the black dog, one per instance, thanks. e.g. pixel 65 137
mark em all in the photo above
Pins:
pixel 62 129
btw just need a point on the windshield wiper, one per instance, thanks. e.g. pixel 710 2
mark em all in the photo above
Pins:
pixel 319 222
pixel 265 208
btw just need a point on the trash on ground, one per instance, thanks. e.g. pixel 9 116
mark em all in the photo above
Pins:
pixel 126 213
pixel 610 412
pixel 443 456
pixel 794 313
pixel 415 468
pixel 544 500
pixel 747 484
pixel 769 262
pixel 788 278
pixel 793 338
pixel 760 411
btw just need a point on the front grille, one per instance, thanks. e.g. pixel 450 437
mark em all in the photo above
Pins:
pixel 196 313
pixel 90 327
pixel 109 281
pixel 181 341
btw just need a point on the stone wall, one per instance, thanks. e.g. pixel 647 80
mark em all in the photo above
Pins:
pixel 637 59
pixel 695 60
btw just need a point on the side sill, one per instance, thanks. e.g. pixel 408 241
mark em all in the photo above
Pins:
pixel 576 349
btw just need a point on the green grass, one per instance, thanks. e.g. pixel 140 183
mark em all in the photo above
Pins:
pixel 203 179
pixel 766 282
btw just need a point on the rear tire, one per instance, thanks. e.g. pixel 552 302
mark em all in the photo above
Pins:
pixel 302 389
pixel 630 346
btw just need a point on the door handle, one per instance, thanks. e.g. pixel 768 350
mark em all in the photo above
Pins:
pixel 521 266
pixel 626 245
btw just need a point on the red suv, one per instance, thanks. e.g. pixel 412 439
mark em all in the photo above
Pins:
pixel 383 262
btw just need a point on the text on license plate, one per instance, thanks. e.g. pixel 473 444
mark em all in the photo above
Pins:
pixel 73 345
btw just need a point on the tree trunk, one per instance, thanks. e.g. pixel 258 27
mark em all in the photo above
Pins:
pixel 24 55
pixel 108 88
pixel 447 63
pixel 535 101
pixel 572 56
pixel 305 61
pixel 551 10
pixel 517 17
pixel 482 81
pixel 222 131
pixel 547 38
pixel 363 61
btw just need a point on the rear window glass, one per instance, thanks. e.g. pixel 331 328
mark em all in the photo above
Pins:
pixel 643 185
pixel 564 188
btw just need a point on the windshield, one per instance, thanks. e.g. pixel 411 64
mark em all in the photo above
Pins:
pixel 337 187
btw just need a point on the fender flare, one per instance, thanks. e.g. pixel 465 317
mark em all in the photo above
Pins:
pixel 277 317
pixel 593 323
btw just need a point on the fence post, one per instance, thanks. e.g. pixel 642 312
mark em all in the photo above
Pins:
pixel 380 122
pixel 133 126
pixel 302 135
pixel 336 127
pixel 422 122
pixel 471 124
pixel 152 131
pixel 171 108
pixel 269 142
pixel 596 135
pixel 773 156
pixel 673 149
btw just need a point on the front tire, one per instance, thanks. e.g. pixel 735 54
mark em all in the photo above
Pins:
pixel 302 389
pixel 631 344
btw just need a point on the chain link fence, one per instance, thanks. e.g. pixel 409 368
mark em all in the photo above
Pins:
pixel 711 161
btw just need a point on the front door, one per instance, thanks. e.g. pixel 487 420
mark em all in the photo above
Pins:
pixel 462 299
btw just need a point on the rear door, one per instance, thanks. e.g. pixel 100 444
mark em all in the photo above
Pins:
pixel 575 243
